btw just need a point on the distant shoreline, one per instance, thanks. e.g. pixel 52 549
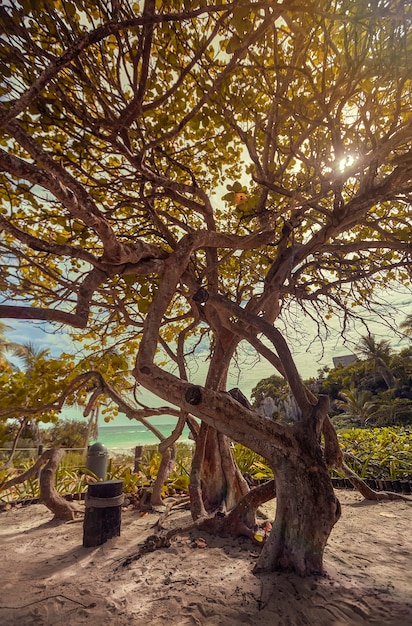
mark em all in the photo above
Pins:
pixel 122 439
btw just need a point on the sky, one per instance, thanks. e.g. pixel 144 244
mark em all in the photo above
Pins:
pixel 310 351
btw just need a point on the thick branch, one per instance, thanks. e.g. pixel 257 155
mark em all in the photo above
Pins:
pixel 78 319
pixel 274 335
pixel 45 246
pixel 218 409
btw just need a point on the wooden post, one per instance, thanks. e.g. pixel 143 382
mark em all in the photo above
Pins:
pixel 103 512
pixel 39 453
pixel 137 458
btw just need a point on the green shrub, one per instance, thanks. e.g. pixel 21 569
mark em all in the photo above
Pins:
pixel 373 453
pixel 378 452
pixel 252 463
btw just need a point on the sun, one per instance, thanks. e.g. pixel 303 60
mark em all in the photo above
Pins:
pixel 346 162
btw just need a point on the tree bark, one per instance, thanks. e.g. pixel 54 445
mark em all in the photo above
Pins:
pixel 165 469
pixel 222 484
pixel 48 494
pixel 167 449
pixel 242 519
pixel 306 509
pixel 197 506
pixel 218 492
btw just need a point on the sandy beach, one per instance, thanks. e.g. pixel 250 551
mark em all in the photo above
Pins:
pixel 49 578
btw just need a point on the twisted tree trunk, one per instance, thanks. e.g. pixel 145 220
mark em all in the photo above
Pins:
pixel 306 511
pixel 48 494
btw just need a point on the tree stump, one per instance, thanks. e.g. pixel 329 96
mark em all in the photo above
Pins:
pixel 102 519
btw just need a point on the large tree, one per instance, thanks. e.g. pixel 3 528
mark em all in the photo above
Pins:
pixel 179 174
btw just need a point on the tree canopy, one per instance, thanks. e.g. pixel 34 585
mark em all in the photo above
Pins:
pixel 121 129
pixel 177 173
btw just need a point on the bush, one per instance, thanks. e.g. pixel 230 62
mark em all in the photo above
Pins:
pixel 378 452
pixel 66 434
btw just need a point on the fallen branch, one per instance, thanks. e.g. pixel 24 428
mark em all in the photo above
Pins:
pixel 57 595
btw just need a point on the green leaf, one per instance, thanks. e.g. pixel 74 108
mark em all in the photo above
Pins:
pixel 229 197
pixel 233 44
pixel 143 305
pixel 144 290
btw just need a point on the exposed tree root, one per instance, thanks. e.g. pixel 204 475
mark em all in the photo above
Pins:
pixel 169 506
pixel 162 540
pixel 236 523
pixel 366 491
pixel 241 521
pixel 48 494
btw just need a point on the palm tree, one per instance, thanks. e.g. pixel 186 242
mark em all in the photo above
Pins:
pixel 357 405
pixel 7 347
pixel 406 325
pixel 379 353
pixel 31 356
pixel 32 378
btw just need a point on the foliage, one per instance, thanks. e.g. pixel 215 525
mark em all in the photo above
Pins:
pixel 179 478
pixel 374 453
pixel 251 463
pixel 379 452
pixel 358 395
pixel 41 379
pixel 345 377
pixel 69 480
pixel 8 431
pixel 358 392
pixel 66 434
pixel 118 159
pixel 37 393
pixel 406 325
pixel 72 476
pixel 132 482
pixel 273 386
pixel 358 406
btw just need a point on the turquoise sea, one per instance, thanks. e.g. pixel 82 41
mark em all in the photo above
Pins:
pixel 123 439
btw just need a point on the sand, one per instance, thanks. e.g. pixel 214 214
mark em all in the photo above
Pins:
pixel 48 577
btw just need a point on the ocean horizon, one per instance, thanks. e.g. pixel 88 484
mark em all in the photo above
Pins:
pixel 124 438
